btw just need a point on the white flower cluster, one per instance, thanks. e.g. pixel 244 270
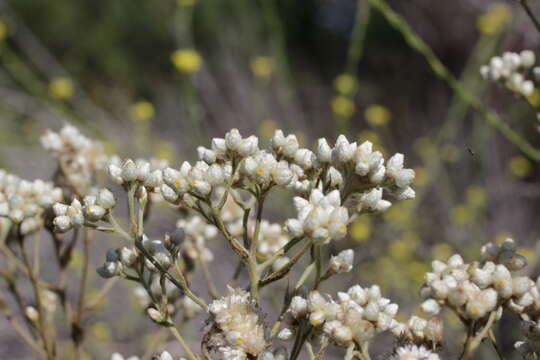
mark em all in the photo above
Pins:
pixel 369 170
pixel 321 218
pixel 272 236
pixel 512 69
pixel 165 355
pixel 79 157
pixel 92 209
pixel 474 290
pixel 146 173
pixel 240 330
pixel 358 316
pixel 23 202
pixel 197 234
pixel 421 331
pixel 413 352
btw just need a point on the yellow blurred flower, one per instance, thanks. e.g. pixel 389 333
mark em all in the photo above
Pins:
pixel 534 98
pixel 425 147
pixel 499 239
pixel 165 150
pixel 186 60
pixel 476 196
pixel 101 332
pixel 442 251
pixel 186 3
pixel 520 166
pixel 377 115
pixel 61 88
pixel 346 84
pixel 400 213
pixel 3 30
pixel 400 251
pixel 262 67
pixel 110 147
pixel 267 128
pixel 450 153
pixel 530 254
pixel 361 229
pixel 343 106
pixel 421 177
pixel 76 259
pixel 142 110
pixel 495 19
pixel 463 214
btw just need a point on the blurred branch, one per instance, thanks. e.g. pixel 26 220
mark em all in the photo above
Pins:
pixel 490 116
pixel 356 46
pixel 525 5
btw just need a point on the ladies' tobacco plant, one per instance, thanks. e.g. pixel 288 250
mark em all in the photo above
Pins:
pixel 222 195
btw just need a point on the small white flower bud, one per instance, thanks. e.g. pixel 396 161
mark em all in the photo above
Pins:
pixel 285 334
pixel 324 152
pixel 343 262
pixel 155 315
pixel 94 212
pixel 106 199
pixel 129 171
pixel 154 179
pixel 298 306
pixel 31 313
pixel 430 307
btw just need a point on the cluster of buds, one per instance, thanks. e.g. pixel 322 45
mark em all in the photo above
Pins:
pixel 197 234
pixel 474 290
pixel 146 173
pixel 369 171
pixel 23 202
pixel 358 315
pixel 511 69
pixel 272 236
pixel 321 218
pixel 422 332
pixel 94 208
pixel 80 158
pixel 235 330
pixel 342 262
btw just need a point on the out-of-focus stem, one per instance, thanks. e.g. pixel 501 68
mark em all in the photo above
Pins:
pixel 528 10
pixel 212 289
pixel 183 343
pixel 42 327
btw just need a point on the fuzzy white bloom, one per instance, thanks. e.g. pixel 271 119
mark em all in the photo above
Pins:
pixel 23 202
pixel 359 314
pixel 321 217
pixel 262 168
pixel 342 262
pixel 414 352
pixel 235 317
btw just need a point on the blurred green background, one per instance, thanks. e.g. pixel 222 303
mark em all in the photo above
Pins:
pixel 157 78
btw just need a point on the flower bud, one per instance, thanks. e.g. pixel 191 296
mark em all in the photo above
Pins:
pixel 129 171
pixel 106 199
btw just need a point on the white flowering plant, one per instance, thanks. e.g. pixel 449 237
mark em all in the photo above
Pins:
pixel 221 198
